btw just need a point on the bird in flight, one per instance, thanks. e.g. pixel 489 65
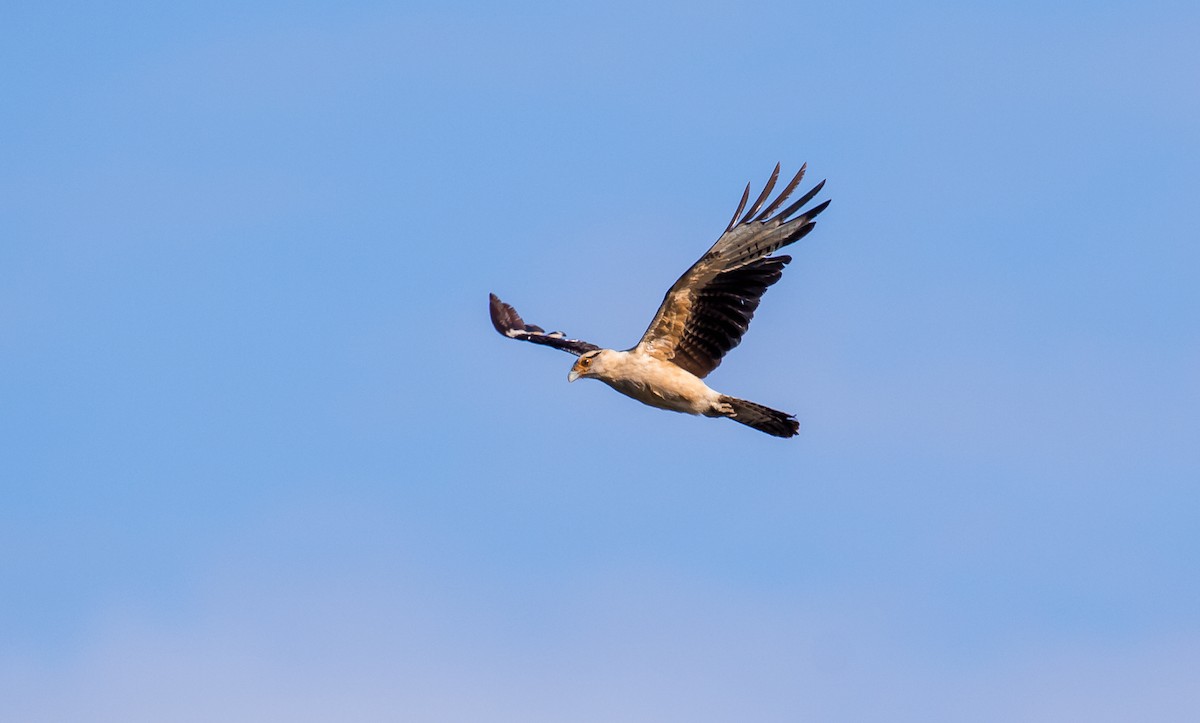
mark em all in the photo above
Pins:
pixel 703 315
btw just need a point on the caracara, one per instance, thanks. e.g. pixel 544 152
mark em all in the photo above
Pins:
pixel 703 316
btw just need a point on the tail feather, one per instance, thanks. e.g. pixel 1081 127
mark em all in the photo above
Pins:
pixel 764 419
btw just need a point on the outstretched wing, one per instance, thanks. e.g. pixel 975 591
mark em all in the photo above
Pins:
pixel 509 323
pixel 706 312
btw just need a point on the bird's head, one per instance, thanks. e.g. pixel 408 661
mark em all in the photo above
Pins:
pixel 587 365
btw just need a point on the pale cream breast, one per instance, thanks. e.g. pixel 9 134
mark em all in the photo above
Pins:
pixel 654 382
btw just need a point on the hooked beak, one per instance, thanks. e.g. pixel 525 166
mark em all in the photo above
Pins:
pixel 573 375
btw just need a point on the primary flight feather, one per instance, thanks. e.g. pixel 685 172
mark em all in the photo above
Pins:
pixel 702 317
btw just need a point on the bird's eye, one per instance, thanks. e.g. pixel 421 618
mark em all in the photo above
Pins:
pixel 585 361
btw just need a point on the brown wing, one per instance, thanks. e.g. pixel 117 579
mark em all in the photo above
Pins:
pixel 509 323
pixel 706 312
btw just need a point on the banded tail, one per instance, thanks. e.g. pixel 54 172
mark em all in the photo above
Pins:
pixel 764 419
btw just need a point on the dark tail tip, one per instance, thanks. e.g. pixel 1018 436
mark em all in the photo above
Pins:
pixel 764 419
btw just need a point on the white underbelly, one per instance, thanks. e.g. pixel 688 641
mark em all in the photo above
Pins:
pixel 667 387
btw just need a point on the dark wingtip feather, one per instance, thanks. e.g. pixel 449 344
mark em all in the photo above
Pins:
pixel 740 206
pixel 803 230
pixel 784 194
pixel 758 202
pixel 818 209
pixel 785 213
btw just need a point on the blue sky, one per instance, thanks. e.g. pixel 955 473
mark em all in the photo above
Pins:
pixel 265 458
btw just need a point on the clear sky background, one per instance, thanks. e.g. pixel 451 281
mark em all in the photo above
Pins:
pixel 264 458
